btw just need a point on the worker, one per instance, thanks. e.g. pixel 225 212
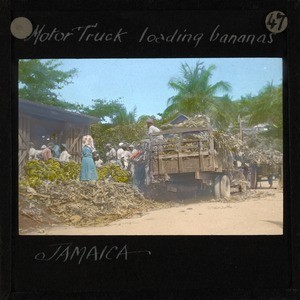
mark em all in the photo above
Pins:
pixel 132 149
pixel 138 161
pixel 125 156
pixel 34 154
pixel 99 162
pixel 64 156
pixel 153 129
pixel 46 151
pixel 120 153
pixel 111 154
pixel 56 150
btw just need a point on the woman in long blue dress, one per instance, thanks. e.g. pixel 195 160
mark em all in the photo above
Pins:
pixel 88 169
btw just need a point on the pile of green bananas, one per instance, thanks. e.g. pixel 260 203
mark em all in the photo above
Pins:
pixel 37 171
pixel 115 172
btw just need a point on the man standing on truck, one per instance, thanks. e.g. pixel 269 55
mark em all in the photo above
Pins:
pixel 153 129
pixel 157 138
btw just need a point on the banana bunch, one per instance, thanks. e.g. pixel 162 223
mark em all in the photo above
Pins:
pixel 55 173
pixel 71 169
pixel 37 171
pixel 115 172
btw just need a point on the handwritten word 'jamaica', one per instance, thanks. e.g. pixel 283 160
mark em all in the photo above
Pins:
pixel 67 252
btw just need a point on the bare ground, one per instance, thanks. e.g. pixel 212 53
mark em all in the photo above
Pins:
pixel 256 212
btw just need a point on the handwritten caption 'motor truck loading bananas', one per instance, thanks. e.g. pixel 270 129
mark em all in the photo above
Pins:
pixel 91 33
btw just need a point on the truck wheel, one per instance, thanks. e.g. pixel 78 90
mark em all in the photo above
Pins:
pixel 216 188
pixel 225 186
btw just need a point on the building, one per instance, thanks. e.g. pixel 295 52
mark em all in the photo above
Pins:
pixel 41 124
pixel 179 119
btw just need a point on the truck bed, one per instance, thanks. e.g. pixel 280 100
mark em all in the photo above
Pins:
pixel 183 150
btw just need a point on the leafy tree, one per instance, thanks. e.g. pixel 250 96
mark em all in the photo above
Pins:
pixel 143 119
pixel 265 108
pixel 111 111
pixel 40 81
pixel 114 134
pixel 104 109
pixel 195 93
pixel 224 113
pixel 125 118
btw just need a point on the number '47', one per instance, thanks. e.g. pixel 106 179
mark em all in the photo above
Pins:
pixel 273 21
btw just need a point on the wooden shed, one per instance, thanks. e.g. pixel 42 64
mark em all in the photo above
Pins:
pixel 41 124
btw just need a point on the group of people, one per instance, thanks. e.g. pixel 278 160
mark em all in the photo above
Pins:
pixel 121 156
pixel 130 157
pixel 49 151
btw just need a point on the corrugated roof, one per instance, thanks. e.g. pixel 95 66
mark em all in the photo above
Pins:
pixel 49 112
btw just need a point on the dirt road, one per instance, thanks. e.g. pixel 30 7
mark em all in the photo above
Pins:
pixel 261 214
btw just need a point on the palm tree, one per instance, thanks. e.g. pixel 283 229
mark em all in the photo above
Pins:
pixel 123 117
pixel 195 93
pixel 267 106
pixel 264 108
pixel 224 113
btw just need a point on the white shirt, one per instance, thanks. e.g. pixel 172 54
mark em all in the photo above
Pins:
pixel 32 154
pixel 111 154
pixel 64 156
pixel 120 153
pixel 126 155
pixel 153 129
pixel 98 163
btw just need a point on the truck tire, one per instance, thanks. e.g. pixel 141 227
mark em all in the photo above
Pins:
pixel 225 187
pixel 216 188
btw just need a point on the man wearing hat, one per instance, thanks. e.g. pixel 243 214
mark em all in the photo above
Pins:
pixel 152 129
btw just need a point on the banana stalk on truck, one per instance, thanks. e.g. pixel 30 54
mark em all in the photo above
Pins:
pixel 191 161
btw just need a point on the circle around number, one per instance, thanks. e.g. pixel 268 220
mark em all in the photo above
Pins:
pixel 276 21
pixel 21 28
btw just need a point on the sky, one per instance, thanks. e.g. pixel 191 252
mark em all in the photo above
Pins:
pixel 143 83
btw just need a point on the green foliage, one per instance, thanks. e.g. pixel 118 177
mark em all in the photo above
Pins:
pixel 265 108
pixel 103 109
pixel 114 134
pixel 113 110
pixel 40 81
pixel 125 118
pixel 224 114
